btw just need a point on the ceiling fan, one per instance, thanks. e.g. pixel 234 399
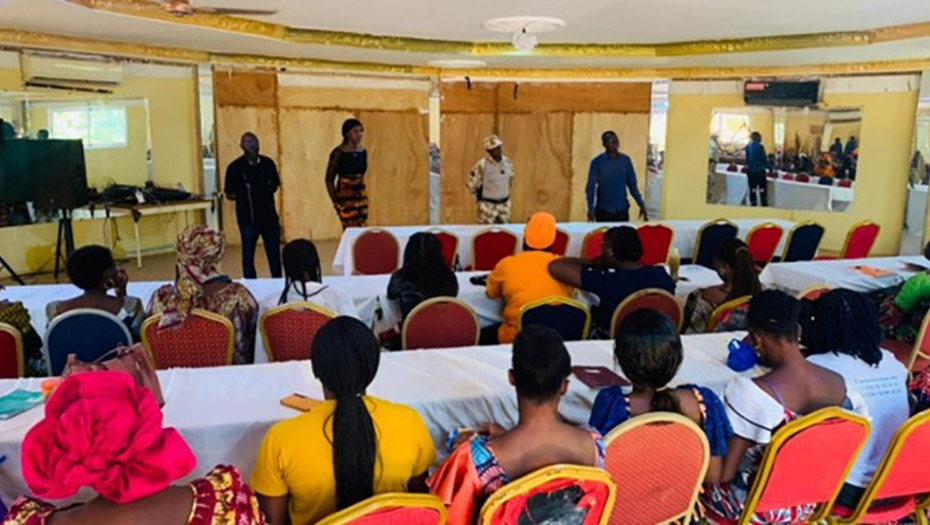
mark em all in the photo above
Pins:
pixel 184 8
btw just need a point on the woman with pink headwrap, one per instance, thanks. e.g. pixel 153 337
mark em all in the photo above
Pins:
pixel 103 431
pixel 198 284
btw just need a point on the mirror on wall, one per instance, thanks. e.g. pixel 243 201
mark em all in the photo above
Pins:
pixel 784 157
pixel 114 132
pixel 655 155
pixel 914 235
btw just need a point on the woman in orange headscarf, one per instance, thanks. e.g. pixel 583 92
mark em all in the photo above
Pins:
pixel 103 431
pixel 198 284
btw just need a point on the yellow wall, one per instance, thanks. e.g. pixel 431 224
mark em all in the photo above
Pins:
pixel 881 192
pixel 171 94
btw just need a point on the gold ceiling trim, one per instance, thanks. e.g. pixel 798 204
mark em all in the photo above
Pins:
pixel 152 10
pixel 25 40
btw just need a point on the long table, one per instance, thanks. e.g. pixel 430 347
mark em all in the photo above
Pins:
pixel 789 194
pixel 223 413
pixel 799 276
pixel 369 293
pixel 685 236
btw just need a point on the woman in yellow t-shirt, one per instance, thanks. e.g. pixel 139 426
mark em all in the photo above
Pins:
pixel 348 448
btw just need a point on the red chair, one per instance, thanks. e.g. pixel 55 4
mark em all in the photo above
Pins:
pixel 763 241
pixel 647 299
pixel 593 243
pixel 806 463
pixel 560 246
pixel 722 314
pixel 915 357
pixel 375 252
pixel 744 169
pixel 658 462
pixel 772 174
pixel 788 176
pixel 490 246
pixel 901 480
pixel 440 322
pixel 449 243
pixel 845 183
pixel 508 505
pixel 803 177
pixel 12 360
pixel 288 330
pixel 860 239
pixel 409 509
pixel 203 339
pixel 657 241
pixel 814 292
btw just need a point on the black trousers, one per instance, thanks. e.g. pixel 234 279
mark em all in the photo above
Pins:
pixel 758 189
pixel 271 234
pixel 603 216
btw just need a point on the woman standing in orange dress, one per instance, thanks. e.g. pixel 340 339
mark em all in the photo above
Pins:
pixel 345 176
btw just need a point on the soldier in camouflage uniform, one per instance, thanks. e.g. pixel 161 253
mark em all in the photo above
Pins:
pixel 490 182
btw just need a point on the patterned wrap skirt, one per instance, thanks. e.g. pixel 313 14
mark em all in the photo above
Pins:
pixel 352 202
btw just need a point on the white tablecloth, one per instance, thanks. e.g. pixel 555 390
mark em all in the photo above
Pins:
pixel 916 209
pixel 223 413
pixel 368 293
pixel 787 194
pixel 799 276
pixel 685 234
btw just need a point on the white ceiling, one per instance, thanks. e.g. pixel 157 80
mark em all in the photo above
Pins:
pixel 619 21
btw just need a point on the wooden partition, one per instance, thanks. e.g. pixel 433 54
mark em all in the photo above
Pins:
pixel 299 120
pixel 551 131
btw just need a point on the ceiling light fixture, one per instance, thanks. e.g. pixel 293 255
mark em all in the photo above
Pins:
pixel 523 28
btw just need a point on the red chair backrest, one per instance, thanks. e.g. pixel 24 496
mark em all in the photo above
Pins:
pixel 594 498
pixel 200 341
pixel 657 241
pixel 860 240
pixel 399 515
pixel 289 332
pixel 442 322
pixel 828 448
pixel 593 243
pixel 907 473
pixel 375 252
pixel 744 169
pixel 648 299
pixel 803 177
pixel 11 352
pixel 449 244
pixel 788 176
pixel 763 242
pixel 658 468
pixel 560 246
pixel 491 246
pixel 844 183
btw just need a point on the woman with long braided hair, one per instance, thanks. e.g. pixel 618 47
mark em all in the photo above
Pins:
pixel 349 447
pixel 840 332
pixel 303 281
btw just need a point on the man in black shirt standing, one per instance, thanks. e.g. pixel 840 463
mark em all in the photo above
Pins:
pixel 251 181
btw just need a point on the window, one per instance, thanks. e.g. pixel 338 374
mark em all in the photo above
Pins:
pixel 731 128
pixel 99 126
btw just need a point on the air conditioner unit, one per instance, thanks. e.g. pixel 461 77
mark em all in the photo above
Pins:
pixel 48 71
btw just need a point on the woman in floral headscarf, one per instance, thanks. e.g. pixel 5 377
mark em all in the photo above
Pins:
pixel 198 284
pixel 101 430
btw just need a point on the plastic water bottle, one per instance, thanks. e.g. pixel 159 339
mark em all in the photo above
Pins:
pixel 674 263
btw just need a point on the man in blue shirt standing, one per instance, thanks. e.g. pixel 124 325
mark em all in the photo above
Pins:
pixel 610 176
pixel 757 165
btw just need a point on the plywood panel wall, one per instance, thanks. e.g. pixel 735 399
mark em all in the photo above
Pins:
pixel 462 136
pixel 398 166
pixel 633 132
pixel 308 136
pixel 245 88
pixel 540 146
pixel 231 123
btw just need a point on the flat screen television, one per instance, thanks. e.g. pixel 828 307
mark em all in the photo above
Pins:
pixel 49 173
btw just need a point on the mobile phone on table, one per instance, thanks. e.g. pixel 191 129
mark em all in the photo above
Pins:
pixel 479 280
pixel 300 402
pixel 598 376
